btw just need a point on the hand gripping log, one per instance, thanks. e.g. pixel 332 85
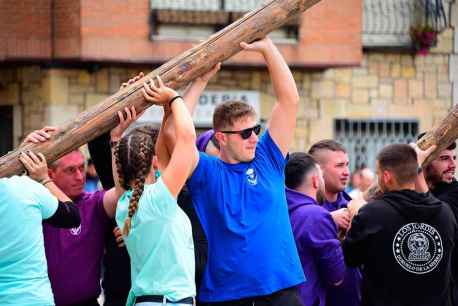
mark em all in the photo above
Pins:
pixel 175 73
pixel 442 136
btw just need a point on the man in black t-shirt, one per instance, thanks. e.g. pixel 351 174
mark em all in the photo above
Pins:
pixel 404 239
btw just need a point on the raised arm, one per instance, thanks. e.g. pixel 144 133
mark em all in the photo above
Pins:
pixel 190 97
pixel 422 155
pixel 110 199
pixel 100 152
pixel 196 88
pixel 162 152
pixel 37 169
pixel 184 155
pixel 67 214
pixel 282 122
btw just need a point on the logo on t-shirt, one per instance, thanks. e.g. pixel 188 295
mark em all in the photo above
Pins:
pixel 251 176
pixel 75 231
pixel 418 248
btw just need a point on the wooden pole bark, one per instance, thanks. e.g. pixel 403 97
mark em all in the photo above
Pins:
pixel 442 136
pixel 175 73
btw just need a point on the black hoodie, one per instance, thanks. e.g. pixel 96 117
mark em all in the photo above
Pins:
pixel 404 242
pixel 448 193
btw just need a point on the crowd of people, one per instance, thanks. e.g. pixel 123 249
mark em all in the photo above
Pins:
pixel 229 218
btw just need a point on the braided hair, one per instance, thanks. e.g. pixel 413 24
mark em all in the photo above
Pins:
pixel 133 156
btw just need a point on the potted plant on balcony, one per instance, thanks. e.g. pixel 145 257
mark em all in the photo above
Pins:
pixel 423 39
pixel 425 35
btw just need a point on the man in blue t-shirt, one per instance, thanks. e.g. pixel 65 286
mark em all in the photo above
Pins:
pixel 240 199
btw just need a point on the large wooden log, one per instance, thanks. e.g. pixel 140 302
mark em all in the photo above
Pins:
pixel 443 135
pixel 175 73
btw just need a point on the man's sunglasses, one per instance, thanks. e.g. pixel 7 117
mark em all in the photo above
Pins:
pixel 246 133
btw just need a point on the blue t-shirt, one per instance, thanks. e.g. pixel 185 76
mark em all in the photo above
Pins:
pixel 24 204
pixel 243 210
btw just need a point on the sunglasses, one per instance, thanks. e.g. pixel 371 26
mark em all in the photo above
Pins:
pixel 246 133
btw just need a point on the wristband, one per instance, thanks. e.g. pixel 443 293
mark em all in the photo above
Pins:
pixel 46 181
pixel 173 99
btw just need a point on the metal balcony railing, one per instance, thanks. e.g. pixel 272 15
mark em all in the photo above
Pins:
pixel 206 5
pixel 174 14
pixel 387 23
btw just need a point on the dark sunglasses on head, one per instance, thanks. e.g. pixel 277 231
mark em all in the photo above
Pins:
pixel 246 133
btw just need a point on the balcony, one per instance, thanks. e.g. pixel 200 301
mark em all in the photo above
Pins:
pixel 387 23
pixel 198 19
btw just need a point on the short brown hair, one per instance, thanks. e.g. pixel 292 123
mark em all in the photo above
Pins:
pixel 401 160
pixel 327 144
pixel 299 165
pixel 53 165
pixel 228 112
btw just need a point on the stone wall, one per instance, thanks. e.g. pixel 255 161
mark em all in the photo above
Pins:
pixel 385 86
pixel 454 56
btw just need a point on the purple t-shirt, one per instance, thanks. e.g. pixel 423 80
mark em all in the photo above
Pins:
pixel 319 249
pixel 342 200
pixel 349 292
pixel 75 255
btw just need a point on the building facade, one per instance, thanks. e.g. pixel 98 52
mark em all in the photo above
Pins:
pixel 358 80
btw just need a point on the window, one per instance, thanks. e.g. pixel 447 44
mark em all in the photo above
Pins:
pixel 198 19
pixel 6 129
pixel 363 139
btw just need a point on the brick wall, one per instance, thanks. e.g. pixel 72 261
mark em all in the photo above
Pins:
pixel 330 34
pixel 67 29
pixel 119 31
pixel 25 29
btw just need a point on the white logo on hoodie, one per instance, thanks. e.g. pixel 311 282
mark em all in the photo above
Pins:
pixel 417 247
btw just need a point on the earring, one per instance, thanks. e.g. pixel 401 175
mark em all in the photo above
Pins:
pixel 157 174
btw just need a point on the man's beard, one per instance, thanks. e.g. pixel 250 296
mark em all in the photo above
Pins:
pixel 320 197
pixel 433 178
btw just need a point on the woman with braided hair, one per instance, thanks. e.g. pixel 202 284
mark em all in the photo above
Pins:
pixel 157 233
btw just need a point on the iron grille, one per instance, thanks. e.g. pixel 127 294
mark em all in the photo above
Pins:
pixel 363 139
